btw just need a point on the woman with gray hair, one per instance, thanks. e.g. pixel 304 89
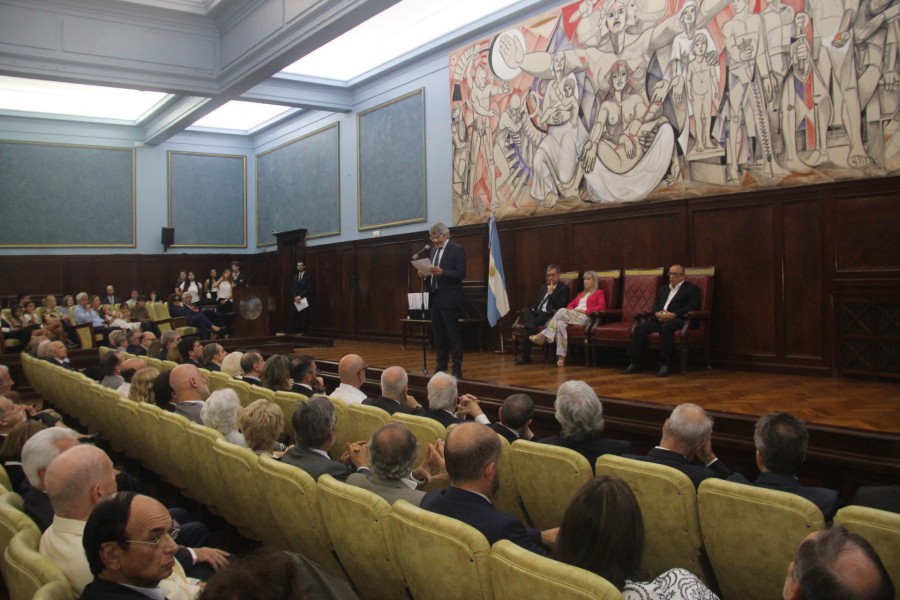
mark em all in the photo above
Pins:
pixel 221 412
pixel 580 414
pixel 587 302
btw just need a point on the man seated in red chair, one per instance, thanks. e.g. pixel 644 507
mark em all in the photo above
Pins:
pixel 551 297
pixel 673 303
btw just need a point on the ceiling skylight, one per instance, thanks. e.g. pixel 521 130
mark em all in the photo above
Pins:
pixel 52 99
pixel 402 28
pixel 242 117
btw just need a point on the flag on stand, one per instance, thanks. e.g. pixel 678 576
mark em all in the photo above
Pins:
pixel 497 301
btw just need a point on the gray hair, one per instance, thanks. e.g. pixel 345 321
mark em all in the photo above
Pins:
pixel 313 421
pixel 80 296
pixel 442 392
pixel 231 364
pixel 392 451
pixel 439 229
pixel 781 440
pixel 40 450
pixel 689 430
pixel 578 411
pixel 393 381
pixel 221 410
pixel 167 336
pixel 209 351
pixel 43 349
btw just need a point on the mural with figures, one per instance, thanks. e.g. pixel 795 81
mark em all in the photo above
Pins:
pixel 611 101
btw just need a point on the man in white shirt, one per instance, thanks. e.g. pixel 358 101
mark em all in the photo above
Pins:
pixel 352 371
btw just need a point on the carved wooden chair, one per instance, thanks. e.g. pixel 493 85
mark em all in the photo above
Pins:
pixel 695 332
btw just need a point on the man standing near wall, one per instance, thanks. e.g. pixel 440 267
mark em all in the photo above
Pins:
pixel 448 270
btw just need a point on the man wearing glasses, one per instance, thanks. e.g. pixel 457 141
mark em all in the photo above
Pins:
pixel 673 304
pixel 446 297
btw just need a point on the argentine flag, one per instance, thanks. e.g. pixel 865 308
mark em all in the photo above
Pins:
pixel 497 301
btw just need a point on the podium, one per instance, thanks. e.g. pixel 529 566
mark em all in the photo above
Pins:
pixel 251 311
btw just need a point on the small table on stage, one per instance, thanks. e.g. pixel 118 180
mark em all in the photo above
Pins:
pixel 406 322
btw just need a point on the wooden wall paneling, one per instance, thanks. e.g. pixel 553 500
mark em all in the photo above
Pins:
pixel 738 240
pixel 866 232
pixel 533 248
pixel 383 280
pixel 805 305
pixel 353 308
pixel 330 284
pixel 630 241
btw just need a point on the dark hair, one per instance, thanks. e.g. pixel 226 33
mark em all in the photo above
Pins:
pixel 276 373
pixel 393 450
pixel 248 360
pixel 517 410
pixel 109 362
pixel 300 366
pixel 186 345
pixel 602 531
pixel 107 523
pixel 313 421
pixel 781 440
pixel 816 568
pixel 553 266
pixel 265 574
pixel 467 463
pixel 162 389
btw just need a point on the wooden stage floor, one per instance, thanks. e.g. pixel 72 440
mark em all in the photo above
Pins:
pixel 848 403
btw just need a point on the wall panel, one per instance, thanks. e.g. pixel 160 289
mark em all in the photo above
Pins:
pixel 804 300
pixel 866 232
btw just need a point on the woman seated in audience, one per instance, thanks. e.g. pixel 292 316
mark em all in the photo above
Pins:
pixel 190 285
pixel 142 385
pixel 276 373
pixel 115 318
pixel 163 392
pixel 231 365
pixel 602 531
pixel 11 449
pixel 14 326
pixel 262 421
pixel 589 301
pixel 211 287
pixel 68 305
pixel 55 320
pixel 221 412
pixel 154 296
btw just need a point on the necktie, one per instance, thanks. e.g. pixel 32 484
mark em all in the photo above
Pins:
pixel 436 262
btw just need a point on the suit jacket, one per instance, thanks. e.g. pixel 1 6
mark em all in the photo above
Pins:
pixel 508 433
pixel 557 300
pixel 38 507
pixel 442 417
pixel 103 589
pixel 592 448
pixel 252 380
pixel 389 489
pixel 302 388
pixel 301 287
pixel 697 473
pixel 473 510
pixel 453 262
pixel 315 464
pixel 686 299
pixel 391 406
pixel 189 411
pixel 137 350
pixel 828 501
pixel 238 279
pixel 64 365
pixel 211 367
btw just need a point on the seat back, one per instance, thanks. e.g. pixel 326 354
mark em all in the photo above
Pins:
pixel 740 521
pixel 882 529
pixel 426 431
pixel 25 571
pixel 571 280
pixel 363 421
pixel 548 477
pixel 55 590
pixel 704 278
pixel 291 496
pixel 508 499
pixel 4 479
pixel 357 523
pixel 343 433
pixel 243 390
pixel 200 443
pixel 84 334
pixel 288 401
pixel 217 380
pixel 608 281
pixel 639 289
pixel 668 504
pixel 172 443
pixel 419 537
pixel 520 573
pixel 12 519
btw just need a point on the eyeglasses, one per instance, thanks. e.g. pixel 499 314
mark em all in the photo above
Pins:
pixel 363 369
pixel 675 273
pixel 172 533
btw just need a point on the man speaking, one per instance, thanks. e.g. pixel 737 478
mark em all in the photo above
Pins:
pixel 446 298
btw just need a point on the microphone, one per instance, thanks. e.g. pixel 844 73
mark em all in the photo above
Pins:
pixel 422 251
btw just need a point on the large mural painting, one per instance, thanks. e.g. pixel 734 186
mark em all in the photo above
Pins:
pixel 611 101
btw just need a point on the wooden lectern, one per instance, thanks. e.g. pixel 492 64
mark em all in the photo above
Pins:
pixel 251 310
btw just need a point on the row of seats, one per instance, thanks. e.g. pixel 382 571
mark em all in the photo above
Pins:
pixel 683 525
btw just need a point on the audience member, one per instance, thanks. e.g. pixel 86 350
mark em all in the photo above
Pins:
pixel 86 313
pixel 191 351
pixel 129 368
pixel 352 371
pixel 687 436
pixel 580 414
pixel 118 340
pixel 190 390
pixel 141 314
pixel 393 451
pixel 602 531
pixel 395 393
pixel 780 439
pixel 261 422
pixel 111 297
pixel 163 392
pixel 252 365
pixel 111 367
pixel 37 454
pixel 142 385
pixel 11 450
pixel 314 423
pixel 472 458
pixel 221 412
pixel 551 297
pixel 515 418
pixel 589 301
pixel 276 373
pixel 134 343
pixel 213 355
pixel 10 414
pixel 442 402
pixel 181 306
pixel 882 497
pixel 59 355
pixel 231 364
pixel 305 375
pixel 168 348
pixel 6 380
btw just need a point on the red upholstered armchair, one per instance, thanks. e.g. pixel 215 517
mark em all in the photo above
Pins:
pixel 571 280
pixel 695 332
pixel 613 329
pixel 579 335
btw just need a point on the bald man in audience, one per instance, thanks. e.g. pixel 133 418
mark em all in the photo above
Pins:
pixel 352 371
pixel 393 451
pixel 395 393
pixel 445 403
pixel 191 391
pixel 515 418
pixel 472 457
pixel 687 437
pixel 837 564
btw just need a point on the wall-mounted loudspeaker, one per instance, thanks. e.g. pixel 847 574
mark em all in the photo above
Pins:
pixel 168 237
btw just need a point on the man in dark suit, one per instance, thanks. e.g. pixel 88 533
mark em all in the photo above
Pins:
pixel 444 402
pixel 313 423
pixel 446 297
pixel 301 286
pixel 472 458
pixel 181 306
pixel 191 351
pixel 551 297
pixel 110 297
pixel 306 378
pixel 673 304
pixel 237 278
pixel 395 394
pixel 515 418
pixel 252 365
pixel 686 436
pixel 781 439
pixel 59 356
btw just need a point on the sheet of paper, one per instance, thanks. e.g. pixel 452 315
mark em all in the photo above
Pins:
pixel 423 266
pixel 417 300
pixel 304 303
